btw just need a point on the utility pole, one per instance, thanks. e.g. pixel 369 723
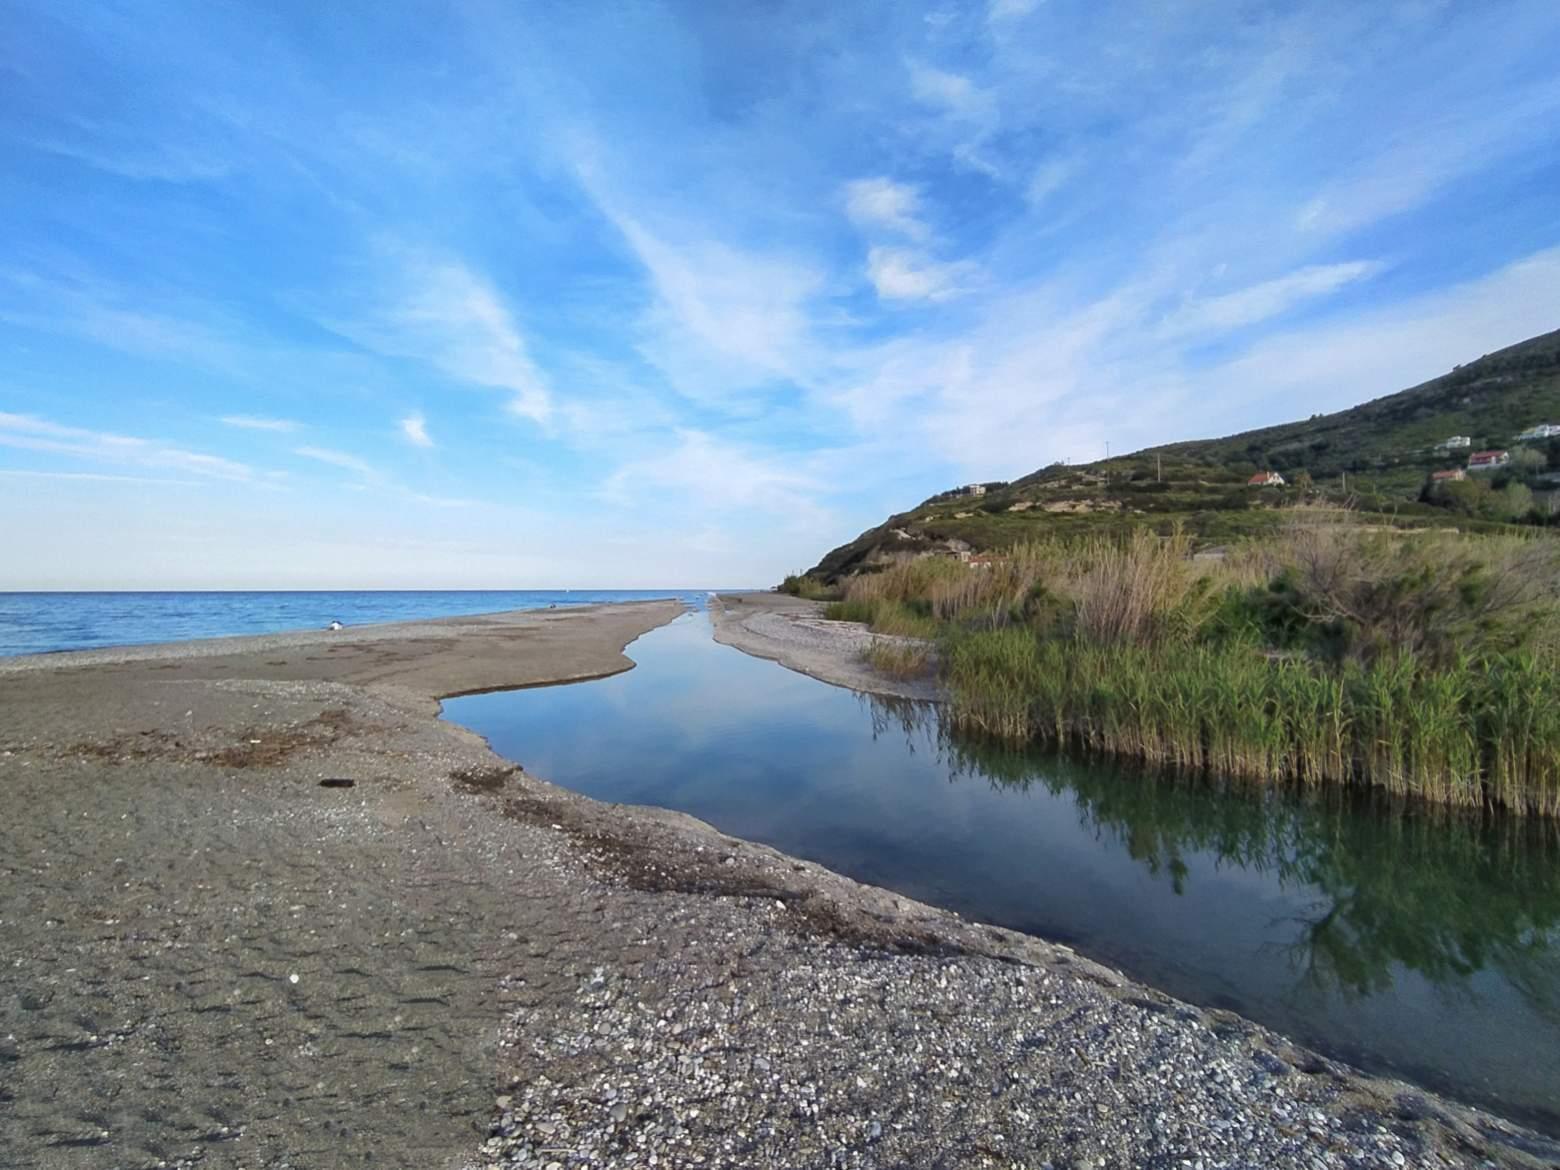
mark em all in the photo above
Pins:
pixel 1159 469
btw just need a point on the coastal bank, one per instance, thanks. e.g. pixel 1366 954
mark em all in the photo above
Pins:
pixel 261 907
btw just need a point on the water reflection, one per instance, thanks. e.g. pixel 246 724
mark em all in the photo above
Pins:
pixel 1395 883
pixel 1414 944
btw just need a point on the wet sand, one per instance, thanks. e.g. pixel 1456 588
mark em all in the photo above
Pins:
pixel 207 958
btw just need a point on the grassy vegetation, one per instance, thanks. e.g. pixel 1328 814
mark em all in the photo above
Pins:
pixel 808 587
pixel 1325 653
pixel 902 660
pixel 1374 460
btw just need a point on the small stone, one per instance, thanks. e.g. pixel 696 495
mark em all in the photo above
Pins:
pixel 620 1113
pixel 504 1101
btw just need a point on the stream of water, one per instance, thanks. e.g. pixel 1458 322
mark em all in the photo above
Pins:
pixel 1405 941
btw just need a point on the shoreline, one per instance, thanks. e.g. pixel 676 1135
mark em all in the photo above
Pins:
pixel 463 933
pixel 794 633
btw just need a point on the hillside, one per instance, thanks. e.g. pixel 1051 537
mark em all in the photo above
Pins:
pixel 1375 458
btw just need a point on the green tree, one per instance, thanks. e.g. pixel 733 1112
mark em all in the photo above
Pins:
pixel 1528 460
pixel 1516 500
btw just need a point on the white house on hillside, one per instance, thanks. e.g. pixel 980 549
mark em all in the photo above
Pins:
pixel 1266 479
pixel 1541 431
pixel 1455 443
pixel 1488 460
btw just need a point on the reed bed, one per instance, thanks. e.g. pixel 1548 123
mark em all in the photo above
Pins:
pixel 902 659
pixel 1325 656
pixel 1475 737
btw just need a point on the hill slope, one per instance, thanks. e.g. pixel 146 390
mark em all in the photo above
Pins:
pixel 1375 456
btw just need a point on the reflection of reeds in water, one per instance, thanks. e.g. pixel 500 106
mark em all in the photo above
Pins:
pixel 1442 891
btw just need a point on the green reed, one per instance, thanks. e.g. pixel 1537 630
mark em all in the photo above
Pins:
pixel 1480 732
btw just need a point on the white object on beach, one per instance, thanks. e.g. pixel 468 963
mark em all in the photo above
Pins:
pixel 334 626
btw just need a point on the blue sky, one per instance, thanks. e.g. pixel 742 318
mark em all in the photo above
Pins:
pixel 549 294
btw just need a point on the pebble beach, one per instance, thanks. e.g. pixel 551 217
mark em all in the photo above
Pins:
pixel 261 907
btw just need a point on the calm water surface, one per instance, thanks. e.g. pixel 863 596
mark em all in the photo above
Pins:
pixel 1399 942
pixel 34 623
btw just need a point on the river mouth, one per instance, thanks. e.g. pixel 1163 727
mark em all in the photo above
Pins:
pixel 1409 942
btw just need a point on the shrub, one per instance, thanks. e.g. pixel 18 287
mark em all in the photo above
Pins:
pixel 806 586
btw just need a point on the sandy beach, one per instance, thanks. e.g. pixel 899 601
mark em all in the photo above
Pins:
pixel 261 907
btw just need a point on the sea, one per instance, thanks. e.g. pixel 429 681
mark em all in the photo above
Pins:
pixel 39 623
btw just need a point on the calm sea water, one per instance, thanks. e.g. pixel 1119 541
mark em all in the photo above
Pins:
pixel 34 623
pixel 1408 944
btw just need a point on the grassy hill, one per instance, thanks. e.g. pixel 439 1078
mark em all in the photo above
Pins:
pixel 1374 458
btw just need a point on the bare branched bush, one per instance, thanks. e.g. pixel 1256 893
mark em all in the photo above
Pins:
pixel 1434 596
pixel 1136 591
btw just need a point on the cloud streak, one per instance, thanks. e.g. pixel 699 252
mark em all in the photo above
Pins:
pixel 251 422
pixel 1270 298
pixel 30 433
pixel 449 317
pixel 342 459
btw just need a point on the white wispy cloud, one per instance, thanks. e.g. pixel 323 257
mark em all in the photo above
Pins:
pixel 1030 379
pixel 415 429
pixel 881 203
pixel 952 92
pixel 1428 154
pixel 1048 178
pixel 94 477
pixel 107 313
pixel 28 432
pixel 720 475
pixel 252 422
pixel 1034 378
pixel 970 113
pixel 900 274
pixel 1388 347
pixel 443 313
pixel 341 459
pixel 163 162
pixel 1270 298
pixel 724 318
